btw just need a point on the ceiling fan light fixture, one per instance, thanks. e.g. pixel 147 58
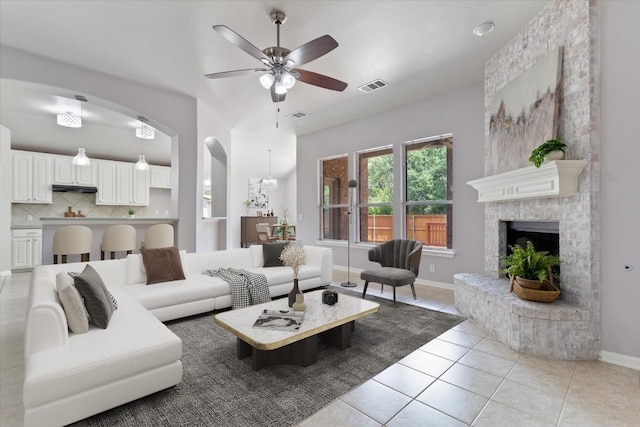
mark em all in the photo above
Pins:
pixel 281 89
pixel 266 80
pixel 69 120
pixel 288 80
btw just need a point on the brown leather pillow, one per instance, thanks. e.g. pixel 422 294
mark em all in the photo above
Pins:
pixel 162 264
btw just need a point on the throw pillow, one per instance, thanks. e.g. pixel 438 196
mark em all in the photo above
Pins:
pixel 271 253
pixel 112 299
pixel 162 264
pixel 96 296
pixel 71 301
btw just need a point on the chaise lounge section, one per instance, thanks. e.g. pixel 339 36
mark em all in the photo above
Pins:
pixel 71 376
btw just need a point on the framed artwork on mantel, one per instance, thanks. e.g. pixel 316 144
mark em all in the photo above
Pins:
pixel 524 114
pixel 258 196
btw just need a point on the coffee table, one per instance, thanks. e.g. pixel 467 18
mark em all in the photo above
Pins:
pixel 333 324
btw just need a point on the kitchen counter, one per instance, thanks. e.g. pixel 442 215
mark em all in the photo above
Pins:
pixel 97 226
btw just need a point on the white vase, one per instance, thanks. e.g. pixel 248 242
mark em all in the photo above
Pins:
pixel 554 155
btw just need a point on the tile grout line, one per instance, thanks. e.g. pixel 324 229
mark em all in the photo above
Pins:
pixel 566 395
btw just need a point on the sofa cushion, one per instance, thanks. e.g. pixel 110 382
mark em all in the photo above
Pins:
pixel 74 309
pixel 257 258
pixel 271 253
pixel 196 288
pixel 162 264
pixel 96 297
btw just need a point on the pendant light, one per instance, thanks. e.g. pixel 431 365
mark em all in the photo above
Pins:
pixel 269 182
pixel 81 158
pixel 141 164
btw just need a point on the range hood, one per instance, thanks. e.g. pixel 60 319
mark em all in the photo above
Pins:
pixel 73 189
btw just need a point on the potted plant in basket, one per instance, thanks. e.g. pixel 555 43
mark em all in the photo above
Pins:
pixel 529 267
pixel 541 152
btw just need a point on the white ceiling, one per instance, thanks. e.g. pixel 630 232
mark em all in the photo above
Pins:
pixel 420 48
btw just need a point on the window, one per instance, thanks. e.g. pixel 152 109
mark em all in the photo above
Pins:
pixel 334 173
pixel 429 195
pixel 375 198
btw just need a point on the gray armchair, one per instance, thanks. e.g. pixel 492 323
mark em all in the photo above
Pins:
pixel 400 263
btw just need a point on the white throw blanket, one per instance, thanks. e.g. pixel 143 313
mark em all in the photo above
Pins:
pixel 246 288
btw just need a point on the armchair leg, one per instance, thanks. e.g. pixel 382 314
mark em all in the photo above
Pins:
pixel 394 296
pixel 366 284
pixel 413 291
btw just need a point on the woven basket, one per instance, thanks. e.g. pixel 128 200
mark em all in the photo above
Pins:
pixel 548 293
pixel 529 283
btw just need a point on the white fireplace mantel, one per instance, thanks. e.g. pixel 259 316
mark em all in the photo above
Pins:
pixel 553 179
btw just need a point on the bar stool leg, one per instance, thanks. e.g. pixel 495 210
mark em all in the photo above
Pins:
pixel 64 259
pixel 55 259
pixel 101 255
pixel 113 255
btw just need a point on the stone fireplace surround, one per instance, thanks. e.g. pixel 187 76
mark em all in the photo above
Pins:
pixel 568 328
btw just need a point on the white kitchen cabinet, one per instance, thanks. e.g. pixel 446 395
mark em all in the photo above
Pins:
pixel 120 184
pixel 160 177
pixel 26 248
pixel 106 183
pixel 66 173
pixel 31 178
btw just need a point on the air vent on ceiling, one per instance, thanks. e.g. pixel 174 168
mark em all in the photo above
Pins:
pixel 297 115
pixel 374 85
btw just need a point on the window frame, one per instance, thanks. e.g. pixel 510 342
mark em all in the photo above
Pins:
pixel 388 149
pixel 321 197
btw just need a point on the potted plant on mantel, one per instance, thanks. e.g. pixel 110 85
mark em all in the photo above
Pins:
pixel 553 149
pixel 531 273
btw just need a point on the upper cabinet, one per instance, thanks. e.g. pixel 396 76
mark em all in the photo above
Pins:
pixel 65 172
pixel 120 184
pixel 160 177
pixel 31 178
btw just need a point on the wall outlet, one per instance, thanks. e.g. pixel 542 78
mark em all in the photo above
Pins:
pixel 157 212
pixel 166 212
pixel 29 217
pixel 432 268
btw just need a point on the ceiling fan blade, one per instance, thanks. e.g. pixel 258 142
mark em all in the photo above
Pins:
pixel 235 73
pixel 276 97
pixel 320 80
pixel 311 50
pixel 237 40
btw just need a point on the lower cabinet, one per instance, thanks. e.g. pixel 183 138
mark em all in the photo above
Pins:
pixel 26 248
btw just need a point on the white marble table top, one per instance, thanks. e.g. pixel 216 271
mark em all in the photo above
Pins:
pixel 318 317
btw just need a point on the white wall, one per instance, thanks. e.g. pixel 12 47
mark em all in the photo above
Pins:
pixel 620 178
pixel 459 112
pixel 251 160
pixel 211 235
pixel 172 113
pixel 5 199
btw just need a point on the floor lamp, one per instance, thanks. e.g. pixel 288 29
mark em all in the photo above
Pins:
pixel 348 284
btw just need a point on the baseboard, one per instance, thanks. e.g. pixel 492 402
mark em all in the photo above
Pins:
pixel 620 359
pixel 419 281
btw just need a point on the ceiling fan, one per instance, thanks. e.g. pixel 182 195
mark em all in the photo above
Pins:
pixel 280 74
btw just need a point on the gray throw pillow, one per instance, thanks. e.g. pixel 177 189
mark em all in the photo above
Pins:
pixel 71 301
pixel 96 297
pixel 271 253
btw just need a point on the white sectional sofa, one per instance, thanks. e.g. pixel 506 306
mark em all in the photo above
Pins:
pixel 69 377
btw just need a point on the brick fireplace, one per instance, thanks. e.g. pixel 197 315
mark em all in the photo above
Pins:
pixel 573 25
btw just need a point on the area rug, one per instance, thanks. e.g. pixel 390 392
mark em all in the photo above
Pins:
pixel 217 389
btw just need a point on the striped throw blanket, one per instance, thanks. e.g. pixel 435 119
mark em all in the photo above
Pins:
pixel 246 288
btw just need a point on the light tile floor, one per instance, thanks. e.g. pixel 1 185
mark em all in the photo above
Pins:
pixel 463 377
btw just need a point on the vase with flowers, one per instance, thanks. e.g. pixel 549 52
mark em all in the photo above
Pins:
pixel 293 256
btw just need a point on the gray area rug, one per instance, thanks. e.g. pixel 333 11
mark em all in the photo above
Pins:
pixel 219 390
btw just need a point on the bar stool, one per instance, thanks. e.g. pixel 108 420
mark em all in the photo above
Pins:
pixel 158 236
pixel 71 240
pixel 118 238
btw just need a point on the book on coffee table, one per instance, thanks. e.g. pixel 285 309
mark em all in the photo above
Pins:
pixel 280 320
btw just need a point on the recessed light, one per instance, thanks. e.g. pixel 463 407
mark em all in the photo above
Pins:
pixel 484 28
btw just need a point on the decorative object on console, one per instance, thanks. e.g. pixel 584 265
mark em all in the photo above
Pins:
pixel 553 149
pixel 293 256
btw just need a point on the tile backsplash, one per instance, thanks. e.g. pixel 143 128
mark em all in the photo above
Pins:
pixel 83 202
